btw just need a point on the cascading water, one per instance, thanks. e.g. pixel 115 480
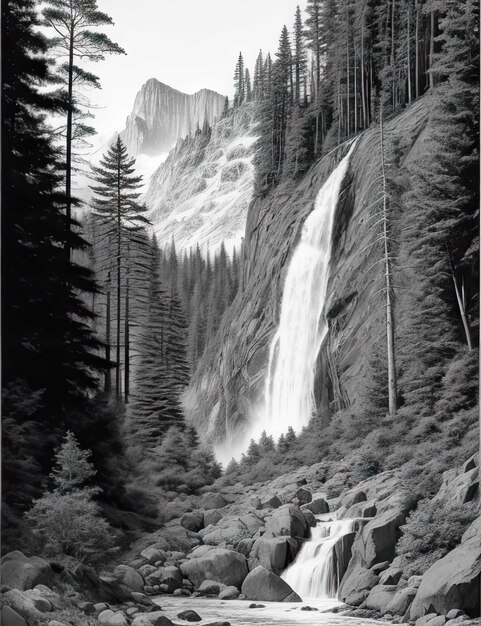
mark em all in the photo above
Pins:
pixel 315 572
pixel 302 327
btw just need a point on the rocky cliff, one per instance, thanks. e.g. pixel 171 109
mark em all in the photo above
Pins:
pixel 161 115
pixel 201 193
pixel 227 389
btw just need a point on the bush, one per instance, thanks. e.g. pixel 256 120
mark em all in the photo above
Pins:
pixel 430 532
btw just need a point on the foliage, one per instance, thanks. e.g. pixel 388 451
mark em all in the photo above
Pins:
pixel 430 532
pixel 66 521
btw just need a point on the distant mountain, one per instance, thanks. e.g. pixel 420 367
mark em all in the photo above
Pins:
pixel 161 115
pixel 201 193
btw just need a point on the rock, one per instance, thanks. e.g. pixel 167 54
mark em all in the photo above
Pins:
pixel 211 587
pixel 261 584
pixel 308 608
pixel 155 618
pixel 471 463
pixel 101 606
pixel 113 618
pixel 212 500
pixel 23 572
pixel 10 617
pixel 458 486
pixel 434 620
pixel 58 603
pixel 272 553
pixel 86 607
pixel 363 580
pixel 414 581
pixel 380 567
pixel 379 597
pixel 54 622
pixel 193 521
pixel 452 582
pixel 304 496
pixel 317 506
pixel 255 503
pixel 454 613
pixel 401 602
pixel 189 616
pixel 287 520
pixel 309 517
pixel 356 598
pixel 141 598
pixel 229 593
pixel 152 555
pixel 172 577
pixel 353 498
pixel 390 576
pixel 212 517
pixel 147 570
pixel 245 546
pixel 41 604
pixel 23 605
pixel 273 502
pixel 256 606
pixel 301 482
pixel 129 577
pixel 424 620
pixel 225 566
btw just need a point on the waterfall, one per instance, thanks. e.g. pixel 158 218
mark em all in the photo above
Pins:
pixel 315 574
pixel 289 390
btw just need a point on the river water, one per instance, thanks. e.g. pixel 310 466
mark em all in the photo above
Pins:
pixel 238 613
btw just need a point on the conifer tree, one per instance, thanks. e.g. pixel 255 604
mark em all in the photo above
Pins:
pixel 115 201
pixel 239 81
pixel 300 59
pixel 74 40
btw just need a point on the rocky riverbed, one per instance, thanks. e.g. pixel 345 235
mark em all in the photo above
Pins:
pixel 222 558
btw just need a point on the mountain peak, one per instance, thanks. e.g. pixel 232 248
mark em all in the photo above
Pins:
pixel 162 114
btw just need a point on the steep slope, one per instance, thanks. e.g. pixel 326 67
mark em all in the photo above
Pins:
pixel 227 390
pixel 161 115
pixel 201 193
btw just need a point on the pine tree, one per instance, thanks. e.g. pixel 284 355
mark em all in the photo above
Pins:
pixel 72 21
pixel 248 87
pixel 116 203
pixel 300 58
pixel 239 82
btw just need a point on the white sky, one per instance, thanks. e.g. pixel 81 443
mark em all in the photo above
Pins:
pixel 188 44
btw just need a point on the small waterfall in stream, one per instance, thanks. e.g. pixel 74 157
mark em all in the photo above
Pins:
pixel 319 565
pixel 302 327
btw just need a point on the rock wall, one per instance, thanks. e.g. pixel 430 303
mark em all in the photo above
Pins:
pixel 228 385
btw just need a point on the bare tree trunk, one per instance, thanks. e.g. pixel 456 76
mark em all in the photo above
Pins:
pixel 68 155
pixel 393 71
pixel 461 300
pixel 391 361
pixel 409 53
pixel 431 51
pixel 363 87
pixel 416 37
pixel 119 250
pixel 355 91
pixel 127 343
pixel 108 377
pixel 348 108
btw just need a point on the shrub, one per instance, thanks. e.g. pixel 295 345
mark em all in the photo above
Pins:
pixel 430 532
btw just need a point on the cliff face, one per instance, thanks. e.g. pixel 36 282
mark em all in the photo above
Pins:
pixel 201 193
pixel 227 389
pixel 161 115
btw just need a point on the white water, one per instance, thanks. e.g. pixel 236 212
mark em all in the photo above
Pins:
pixel 314 574
pixel 289 399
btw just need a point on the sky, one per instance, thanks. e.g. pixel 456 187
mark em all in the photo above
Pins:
pixel 187 44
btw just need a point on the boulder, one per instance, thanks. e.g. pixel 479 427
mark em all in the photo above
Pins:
pixel 390 576
pixel 225 566
pixel 54 622
pixel 261 584
pixel 24 572
pixel 152 555
pixel 255 503
pixel 245 546
pixel 309 517
pixel 458 486
pixel 287 520
pixel 380 597
pixel 273 502
pixel 212 517
pixel 155 618
pixel 401 602
pixel 414 581
pixel 360 580
pixel 193 521
pixel 189 616
pixel 229 593
pixel 172 577
pixel 10 617
pixel 129 577
pixel 356 598
pixel 58 602
pixel 211 587
pixel 141 598
pixel 23 605
pixel 354 497
pixel 273 554
pixel 318 506
pixel 422 621
pixel 40 603
pixel 471 463
pixel 380 567
pixel 454 581
pixel 304 496
pixel 454 613
pixel 212 500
